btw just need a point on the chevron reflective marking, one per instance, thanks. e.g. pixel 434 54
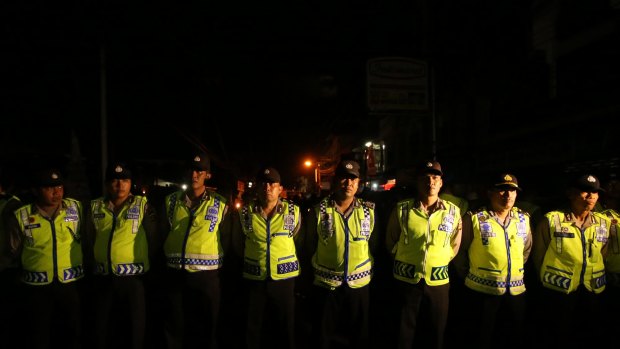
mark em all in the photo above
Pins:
pixel 35 277
pixel 130 269
pixel 100 268
pixel 73 273
pixel 557 280
pixel 439 273
pixel 404 269
pixel 600 281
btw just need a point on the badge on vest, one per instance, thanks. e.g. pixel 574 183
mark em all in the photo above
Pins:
pixel 99 215
pixel 212 213
pixel 365 227
pixel 289 222
pixel 133 212
pixel 521 230
pixel 486 232
pixel 601 234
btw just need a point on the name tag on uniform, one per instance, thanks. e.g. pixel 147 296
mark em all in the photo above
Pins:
pixel 99 215
pixel 563 234
pixel 133 216
pixel 447 227
pixel 32 226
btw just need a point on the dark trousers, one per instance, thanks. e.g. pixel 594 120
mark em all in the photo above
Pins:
pixel 10 306
pixel 192 308
pixel 437 298
pixel 341 317
pixel 276 299
pixel 119 304
pixel 572 320
pixel 496 319
pixel 53 316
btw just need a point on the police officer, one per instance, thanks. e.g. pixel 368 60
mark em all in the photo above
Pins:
pixel 339 229
pixel 423 234
pixel 197 229
pixel 123 228
pixel 265 235
pixel 569 252
pixel 495 245
pixel 46 237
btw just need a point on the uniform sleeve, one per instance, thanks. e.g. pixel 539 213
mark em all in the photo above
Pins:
pixel 12 246
pixel 163 223
pixel 299 233
pixel 225 229
pixel 605 247
pixel 238 238
pixel 151 226
pixel 456 236
pixel 88 239
pixel 375 235
pixel 311 238
pixel 527 244
pixel 461 261
pixel 392 232
pixel 541 243
pixel 10 237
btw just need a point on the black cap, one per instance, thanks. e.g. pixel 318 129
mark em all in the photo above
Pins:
pixel 505 180
pixel 200 162
pixel 429 166
pixel 268 175
pixel 348 168
pixel 117 170
pixel 49 177
pixel 587 182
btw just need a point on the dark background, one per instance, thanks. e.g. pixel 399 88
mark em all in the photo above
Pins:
pixel 270 82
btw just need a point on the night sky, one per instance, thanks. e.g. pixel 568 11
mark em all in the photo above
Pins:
pixel 182 75
pixel 179 76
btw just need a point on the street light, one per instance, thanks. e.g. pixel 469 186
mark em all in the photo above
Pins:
pixel 317 173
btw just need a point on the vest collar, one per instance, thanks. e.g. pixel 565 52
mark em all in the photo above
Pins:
pixel 439 205
pixel 258 209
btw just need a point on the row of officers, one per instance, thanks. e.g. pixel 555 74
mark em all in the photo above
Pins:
pixel 126 250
